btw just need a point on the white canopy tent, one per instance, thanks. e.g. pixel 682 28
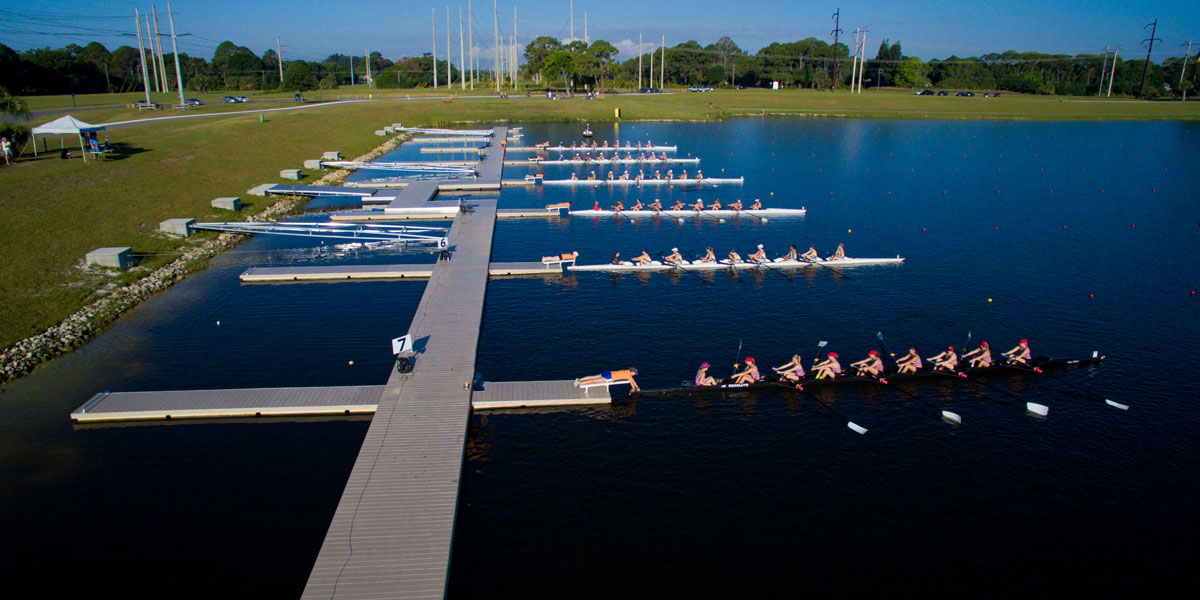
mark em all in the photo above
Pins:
pixel 67 125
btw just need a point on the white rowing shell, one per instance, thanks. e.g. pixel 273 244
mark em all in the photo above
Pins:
pixel 724 264
pixel 724 212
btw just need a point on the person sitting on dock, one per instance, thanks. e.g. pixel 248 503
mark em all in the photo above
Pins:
pixel 611 378
pixel 759 255
pixel 655 206
pixel 616 259
pixel 702 376
pixel 792 371
pixel 757 205
pixel 838 254
pixel 984 358
pixel 734 257
pixel 946 361
pixel 716 205
pixel 750 375
pixel 810 255
pixel 618 207
pixel 828 368
pixel 736 205
pixel 674 258
pixel 637 205
pixel 871 366
pixel 699 205
pixel 678 205
pixel 791 254
pixel 642 259
pixel 1021 354
pixel 909 363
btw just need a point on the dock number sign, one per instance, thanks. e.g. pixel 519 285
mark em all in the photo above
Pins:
pixel 402 344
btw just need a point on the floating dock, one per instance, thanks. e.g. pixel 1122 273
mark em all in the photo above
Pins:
pixel 360 272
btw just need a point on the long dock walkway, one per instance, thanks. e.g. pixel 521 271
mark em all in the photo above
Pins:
pixel 390 536
pixel 400 271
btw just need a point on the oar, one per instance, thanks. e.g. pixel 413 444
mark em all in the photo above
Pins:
pixel 1033 407
pixel 952 417
pixel 764 265
pixel 704 212
pixel 1082 389
pixel 692 259
pixel 859 429
pixel 738 360
pixel 821 263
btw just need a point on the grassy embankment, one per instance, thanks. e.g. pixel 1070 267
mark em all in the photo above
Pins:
pixel 55 211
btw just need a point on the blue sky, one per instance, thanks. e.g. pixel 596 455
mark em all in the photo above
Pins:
pixel 312 30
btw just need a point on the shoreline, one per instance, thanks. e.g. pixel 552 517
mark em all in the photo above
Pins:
pixel 79 327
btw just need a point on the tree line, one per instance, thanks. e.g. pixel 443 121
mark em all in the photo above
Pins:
pixel 551 63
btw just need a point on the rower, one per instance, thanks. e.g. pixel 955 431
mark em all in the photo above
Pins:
pixel 611 378
pixel 946 361
pixel 620 206
pixel 909 363
pixel 828 368
pixel 574 177
pixel 592 176
pixel 734 257
pixel 750 375
pixel 595 203
pixel 757 205
pixel 838 254
pixel 702 376
pixel 1021 354
pixel 670 174
pixel 663 157
pixel 657 174
pixel 683 175
pixel 792 371
pixel 871 366
pixel 699 205
pixel 674 258
pixel 624 176
pixel 610 175
pixel 655 206
pixel 716 205
pixel 708 256
pixel 678 204
pixel 982 354
pixel 642 259
pixel 616 259
pixel 736 205
pixel 759 256
pixel 641 174
pixel 810 255
pixel 791 254
pixel 637 205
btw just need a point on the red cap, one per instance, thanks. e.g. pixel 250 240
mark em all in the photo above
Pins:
pixel 983 343
pixel 1024 341
pixel 951 348
pixel 749 359
pixel 833 355
pixel 704 365
pixel 873 353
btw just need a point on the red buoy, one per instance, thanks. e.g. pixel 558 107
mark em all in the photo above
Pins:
pixel 1091 295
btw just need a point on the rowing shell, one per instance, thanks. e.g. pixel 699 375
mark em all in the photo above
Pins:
pixel 724 212
pixel 616 161
pixel 644 182
pixel 607 148
pixel 1041 362
pixel 724 264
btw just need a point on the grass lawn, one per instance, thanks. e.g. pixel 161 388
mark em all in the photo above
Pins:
pixel 55 211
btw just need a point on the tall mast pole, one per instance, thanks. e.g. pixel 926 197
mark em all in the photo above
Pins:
pixel 175 51
pixel 1113 74
pixel 1146 69
pixel 651 61
pixel 162 64
pixel 279 58
pixel 862 56
pixel 462 72
pixel 496 27
pixel 513 63
pixel 351 68
pixel 367 55
pixel 471 36
pixel 1103 72
pixel 433 11
pixel 1186 54
pixel 837 30
pixel 142 53
pixel 153 60
pixel 662 71
pixel 449 57
pixel 854 61
pixel 639 61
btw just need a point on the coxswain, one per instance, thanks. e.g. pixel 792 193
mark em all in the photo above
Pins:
pixel 757 205
pixel 982 354
pixel 871 366
pixel 791 254
pixel 611 377
pixel 637 205
pixel 678 205
pixel 655 206
pixel 1021 354
pixel 838 254
pixel 759 256
pixel 619 207
pixel 810 255
pixel 736 205
pixel 792 371
pixel 708 256
pixel 702 376
pixel 734 257
pixel 699 205
pixel 828 368
pixel 674 258
pixel 947 360
pixel 642 259
pixel 616 259
pixel 909 363
pixel 716 205
pixel 750 375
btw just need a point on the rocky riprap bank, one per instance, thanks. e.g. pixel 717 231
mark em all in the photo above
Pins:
pixel 75 330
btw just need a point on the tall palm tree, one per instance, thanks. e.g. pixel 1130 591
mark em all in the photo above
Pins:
pixel 13 105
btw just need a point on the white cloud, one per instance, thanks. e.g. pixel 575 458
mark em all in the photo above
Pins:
pixel 629 48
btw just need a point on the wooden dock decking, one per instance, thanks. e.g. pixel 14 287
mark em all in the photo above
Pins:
pixel 404 271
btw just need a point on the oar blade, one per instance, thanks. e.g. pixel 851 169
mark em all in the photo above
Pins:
pixel 1037 409
pixel 951 417
pixel 859 429
pixel 1116 404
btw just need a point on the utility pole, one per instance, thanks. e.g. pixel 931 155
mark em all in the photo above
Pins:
pixel 651 61
pixel 1150 46
pixel 162 64
pixel 572 9
pixel 1113 74
pixel 854 61
pixel 279 58
pixel 513 64
pixel 175 51
pixel 836 32
pixel 433 11
pixel 585 35
pixel 1186 54
pixel 639 61
pixel 367 55
pixel 471 36
pixel 462 72
pixel 496 26
pixel 862 57
pixel 662 71
pixel 352 70
pixel 142 53
pixel 153 60
pixel 1103 69
pixel 449 59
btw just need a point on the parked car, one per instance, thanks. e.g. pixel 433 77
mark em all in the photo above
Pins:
pixel 299 97
pixel 242 99
pixel 192 102
pixel 229 100
pixel 925 93
pixel 943 93
pixel 969 94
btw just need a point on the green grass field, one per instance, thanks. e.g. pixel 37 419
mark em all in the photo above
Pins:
pixel 55 211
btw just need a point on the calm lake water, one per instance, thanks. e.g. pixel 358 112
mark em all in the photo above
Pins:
pixel 1078 236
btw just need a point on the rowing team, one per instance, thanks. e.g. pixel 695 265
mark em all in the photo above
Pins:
pixel 641 176
pixel 679 205
pixel 628 144
pixel 617 156
pixel 871 366
pixel 759 256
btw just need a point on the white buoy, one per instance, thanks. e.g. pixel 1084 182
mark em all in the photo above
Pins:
pixel 218 323
pixel 764 219
pixel 352 363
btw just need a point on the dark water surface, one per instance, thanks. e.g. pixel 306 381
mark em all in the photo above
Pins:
pixel 1084 236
